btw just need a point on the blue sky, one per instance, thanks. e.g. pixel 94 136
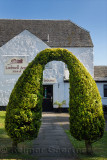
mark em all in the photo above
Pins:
pixel 89 14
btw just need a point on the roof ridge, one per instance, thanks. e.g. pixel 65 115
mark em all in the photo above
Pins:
pixel 35 19
pixel 61 32
pixel 47 20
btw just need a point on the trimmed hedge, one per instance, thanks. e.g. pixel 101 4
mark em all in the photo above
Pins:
pixel 23 113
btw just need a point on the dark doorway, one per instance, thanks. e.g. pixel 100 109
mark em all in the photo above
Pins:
pixel 47 98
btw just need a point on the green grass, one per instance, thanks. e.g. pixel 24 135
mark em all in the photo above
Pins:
pixel 6 144
pixel 99 148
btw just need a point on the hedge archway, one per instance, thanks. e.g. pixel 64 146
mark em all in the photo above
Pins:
pixel 24 109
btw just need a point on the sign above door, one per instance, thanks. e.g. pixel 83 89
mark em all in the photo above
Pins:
pixel 49 80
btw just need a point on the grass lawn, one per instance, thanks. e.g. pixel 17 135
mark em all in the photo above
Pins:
pixel 99 148
pixel 6 143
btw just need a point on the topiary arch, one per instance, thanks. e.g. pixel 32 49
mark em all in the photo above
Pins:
pixel 24 109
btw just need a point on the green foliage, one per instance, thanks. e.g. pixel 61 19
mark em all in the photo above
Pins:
pixel 23 112
pixel 60 104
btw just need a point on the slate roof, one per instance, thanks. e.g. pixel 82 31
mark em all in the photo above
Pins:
pixel 100 73
pixel 55 33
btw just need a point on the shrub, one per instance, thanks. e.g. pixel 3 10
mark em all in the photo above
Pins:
pixel 23 112
pixel 60 104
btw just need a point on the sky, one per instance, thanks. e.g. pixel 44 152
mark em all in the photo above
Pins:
pixel 88 14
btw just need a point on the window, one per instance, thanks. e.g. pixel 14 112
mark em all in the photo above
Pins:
pixel 105 90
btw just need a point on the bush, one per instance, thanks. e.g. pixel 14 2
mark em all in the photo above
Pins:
pixel 23 112
pixel 60 104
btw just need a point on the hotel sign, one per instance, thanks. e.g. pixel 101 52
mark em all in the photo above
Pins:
pixel 15 65
pixel 49 80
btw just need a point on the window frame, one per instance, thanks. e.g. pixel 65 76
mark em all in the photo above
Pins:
pixel 105 90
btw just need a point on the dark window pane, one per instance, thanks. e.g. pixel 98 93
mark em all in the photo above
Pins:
pixel 105 90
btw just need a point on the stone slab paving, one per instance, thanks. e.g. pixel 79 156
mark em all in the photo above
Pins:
pixel 52 142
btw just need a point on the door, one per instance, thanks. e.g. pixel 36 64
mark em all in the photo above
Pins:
pixel 47 104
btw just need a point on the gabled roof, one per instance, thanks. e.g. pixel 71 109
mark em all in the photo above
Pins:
pixel 55 33
pixel 24 43
pixel 100 73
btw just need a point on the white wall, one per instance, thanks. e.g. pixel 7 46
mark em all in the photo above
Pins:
pixel 101 90
pixel 66 94
pixel 85 55
pixel 23 44
pixel 27 45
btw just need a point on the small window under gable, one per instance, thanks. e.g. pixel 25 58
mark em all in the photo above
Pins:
pixel 105 90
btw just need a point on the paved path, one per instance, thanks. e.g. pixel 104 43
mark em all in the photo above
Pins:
pixel 52 142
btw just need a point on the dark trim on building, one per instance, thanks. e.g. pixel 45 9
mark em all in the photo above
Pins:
pixel 66 81
pixel 2 108
pixel 100 81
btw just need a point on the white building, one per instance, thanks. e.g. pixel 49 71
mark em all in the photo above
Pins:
pixel 100 76
pixel 22 40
